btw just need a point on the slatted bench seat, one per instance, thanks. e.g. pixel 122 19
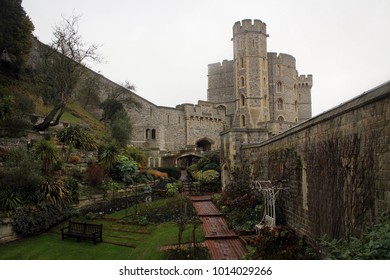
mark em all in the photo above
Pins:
pixel 83 231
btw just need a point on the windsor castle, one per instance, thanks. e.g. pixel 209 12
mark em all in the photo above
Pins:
pixel 257 95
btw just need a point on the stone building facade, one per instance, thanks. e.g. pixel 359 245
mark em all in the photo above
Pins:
pixel 257 94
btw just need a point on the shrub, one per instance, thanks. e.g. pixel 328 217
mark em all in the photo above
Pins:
pixel 173 172
pixel 95 175
pixel 9 200
pixel 172 189
pixel 124 168
pixel 77 137
pixel 34 220
pixel 374 244
pixel 278 243
pixel 74 159
pixel 157 174
pixel 210 176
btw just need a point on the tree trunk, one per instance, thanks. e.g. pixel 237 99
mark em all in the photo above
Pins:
pixel 52 119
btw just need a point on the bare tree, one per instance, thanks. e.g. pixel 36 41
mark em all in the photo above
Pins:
pixel 62 66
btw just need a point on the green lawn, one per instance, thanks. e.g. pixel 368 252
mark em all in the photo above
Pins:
pixel 121 241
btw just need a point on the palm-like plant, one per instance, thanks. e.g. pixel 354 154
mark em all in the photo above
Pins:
pixel 48 153
pixel 55 192
pixel 77 137
pixel 108 154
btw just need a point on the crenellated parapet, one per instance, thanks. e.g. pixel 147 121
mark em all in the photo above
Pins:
pixel 203 109
pixel 247 25
pixel 304 81
pixel 218 68
pixel 281 59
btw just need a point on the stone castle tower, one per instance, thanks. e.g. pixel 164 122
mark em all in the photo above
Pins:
pixel 259 90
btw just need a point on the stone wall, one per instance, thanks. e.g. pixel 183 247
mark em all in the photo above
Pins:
pixel 336 166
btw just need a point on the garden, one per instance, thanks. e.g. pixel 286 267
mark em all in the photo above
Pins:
pixel 141 209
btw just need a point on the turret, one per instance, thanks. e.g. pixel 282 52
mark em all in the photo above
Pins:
pixel 250 73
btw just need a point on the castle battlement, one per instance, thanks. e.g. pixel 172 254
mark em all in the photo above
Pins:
pixel 248 26
pixel 281 58
pixel 305 80
pixel 224 67
pixel 203 109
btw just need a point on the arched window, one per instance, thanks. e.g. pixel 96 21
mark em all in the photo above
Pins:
pixel 279 87
pixel 242 121
pixel 242 81
pixel 153 134
pixel 242 100
pixel 281 119
pixel 279 104
pixel 147 133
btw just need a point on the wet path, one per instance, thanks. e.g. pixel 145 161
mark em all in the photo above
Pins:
pixel 223 243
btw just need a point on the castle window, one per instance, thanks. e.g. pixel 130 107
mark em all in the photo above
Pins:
pixel 296 106
pixel 253 43
pixel 153 134
pixel 281 119
pixel 242 121
pixel 241 62
pixel 279 70
pixel 279 104
pixel 147 133
pixel 242 100
pixel 264 83
pixel 242 82
pixel 279 87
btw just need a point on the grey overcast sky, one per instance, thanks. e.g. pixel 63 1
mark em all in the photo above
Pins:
pixel 164 46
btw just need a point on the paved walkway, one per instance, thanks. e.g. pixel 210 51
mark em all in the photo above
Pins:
pixel 223 243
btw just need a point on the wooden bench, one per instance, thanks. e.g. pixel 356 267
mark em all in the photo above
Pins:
pixel 83 231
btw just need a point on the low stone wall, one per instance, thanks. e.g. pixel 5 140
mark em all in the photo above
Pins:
pixel 336 167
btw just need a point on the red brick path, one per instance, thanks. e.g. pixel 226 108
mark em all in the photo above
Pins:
pixel 222 242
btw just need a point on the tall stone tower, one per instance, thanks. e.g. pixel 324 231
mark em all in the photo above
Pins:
pixel 250 74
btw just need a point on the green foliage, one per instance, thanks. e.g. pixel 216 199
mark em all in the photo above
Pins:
pixel 73 186
pixel 110 108
pixel 108 154
pixel 9 199
pixel 210 176
pixel 172 189
pixel 15 32
pixel 48 154
pixel 278 243
pixel 21 179
pixel 121 128
pixel 77 137
pixel 124 169
pixel 55 192
pixel 202 163
pixel 173 172
pixel 30 221
pixel 136 154
pixel 373 245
